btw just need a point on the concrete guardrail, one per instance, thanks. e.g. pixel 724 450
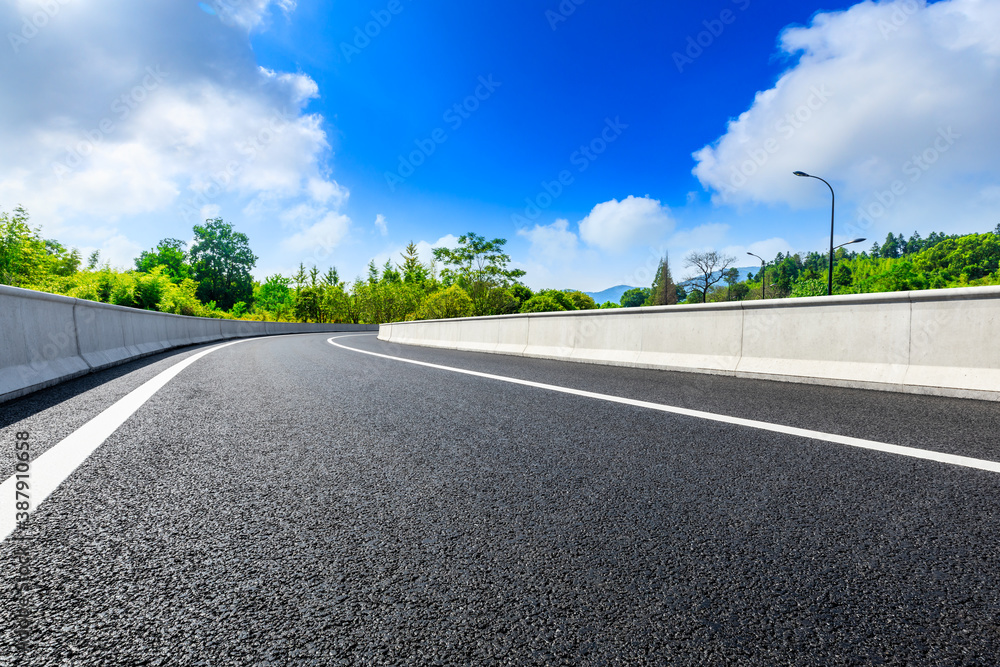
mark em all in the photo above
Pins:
pixel 46 338
pixel 942 342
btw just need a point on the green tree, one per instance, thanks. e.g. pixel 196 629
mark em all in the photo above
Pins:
pixel 731 276
pixel 635 297
pixel 23 254
pixel 222 261
pixel 479 267
pixel 893 246
pixel 299 279
pixel 331 278
pixel 62 262
pixel 521 294
pixel 309 304
pixel 450 302
pixel 582 301
pixel 390 274
pixel 810 287
pixel 843 276
pixel 542 303
pixel 695 296
pixel 273 295
pixel 171 255
pixel 412 269
pixel 663 291
pixel 93 260
pixel 560 297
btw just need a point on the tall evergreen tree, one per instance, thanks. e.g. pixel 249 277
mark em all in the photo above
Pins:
pixel 331 278
pixel 664 291
pixel 413 270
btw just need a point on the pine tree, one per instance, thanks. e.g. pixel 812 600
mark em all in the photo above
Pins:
pixel 331 278
pixel 413 270
pixel 663 291
pixel 300 277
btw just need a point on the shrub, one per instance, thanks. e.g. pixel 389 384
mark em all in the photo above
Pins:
pixel 448 303
pixel 541 303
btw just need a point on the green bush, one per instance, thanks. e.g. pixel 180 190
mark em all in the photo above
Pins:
pixel 448 303
pixel 541 303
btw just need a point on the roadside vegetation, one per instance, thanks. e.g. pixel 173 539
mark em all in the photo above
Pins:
pixel 213 277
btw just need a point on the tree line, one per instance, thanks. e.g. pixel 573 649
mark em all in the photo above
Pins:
pixel 898 264
pixel 213 277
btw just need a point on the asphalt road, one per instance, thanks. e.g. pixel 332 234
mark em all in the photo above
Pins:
pixel 283 501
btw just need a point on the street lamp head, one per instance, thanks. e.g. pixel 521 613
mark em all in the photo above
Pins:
pixel 800 173
pixel 858 241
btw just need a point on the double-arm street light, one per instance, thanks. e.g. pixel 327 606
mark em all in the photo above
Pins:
pixel 833 203
pixel 763 266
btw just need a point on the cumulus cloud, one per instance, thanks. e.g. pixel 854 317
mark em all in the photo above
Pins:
pixel 702 237
pixel 883 95
pixel 553 242
pixel 618 225
pixel 148 122
pixel 380 225
pixel 321 236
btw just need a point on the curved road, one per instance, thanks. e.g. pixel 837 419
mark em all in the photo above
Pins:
pixel 295 501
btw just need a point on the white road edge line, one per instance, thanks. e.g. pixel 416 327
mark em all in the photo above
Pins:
pixel 940 457
pixel 55 464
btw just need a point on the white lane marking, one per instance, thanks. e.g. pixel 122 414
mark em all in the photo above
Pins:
pixel 940 457
pixel 58 462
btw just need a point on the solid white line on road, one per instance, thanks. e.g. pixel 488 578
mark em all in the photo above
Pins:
pixel 940 457
pixel 57 463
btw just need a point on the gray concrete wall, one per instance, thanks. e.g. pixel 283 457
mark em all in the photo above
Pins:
pixel 46 338
pixel 944 342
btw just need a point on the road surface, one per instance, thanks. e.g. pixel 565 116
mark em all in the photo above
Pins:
pixel 297 500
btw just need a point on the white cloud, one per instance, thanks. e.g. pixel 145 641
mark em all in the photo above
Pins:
pixel 554 243
pixel 147 123
pixel 247 14
pixel 702 237
pixel 320 237
pixel 380 225
pixel 768 249
pixel 327 192
pixel 618 225
pixel 120 252
pixel 883 93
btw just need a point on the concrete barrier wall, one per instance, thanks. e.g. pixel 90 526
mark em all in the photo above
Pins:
pixel 46 338
pixel 944 342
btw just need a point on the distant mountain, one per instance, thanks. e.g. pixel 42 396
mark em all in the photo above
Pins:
pixel 610 294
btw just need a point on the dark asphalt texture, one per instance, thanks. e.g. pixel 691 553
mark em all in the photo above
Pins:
pixel 286 502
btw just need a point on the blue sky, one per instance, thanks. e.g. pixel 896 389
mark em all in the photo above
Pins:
pixel 594 136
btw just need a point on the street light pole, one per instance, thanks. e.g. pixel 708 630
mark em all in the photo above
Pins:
pixel 763 272
pixel 833 203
